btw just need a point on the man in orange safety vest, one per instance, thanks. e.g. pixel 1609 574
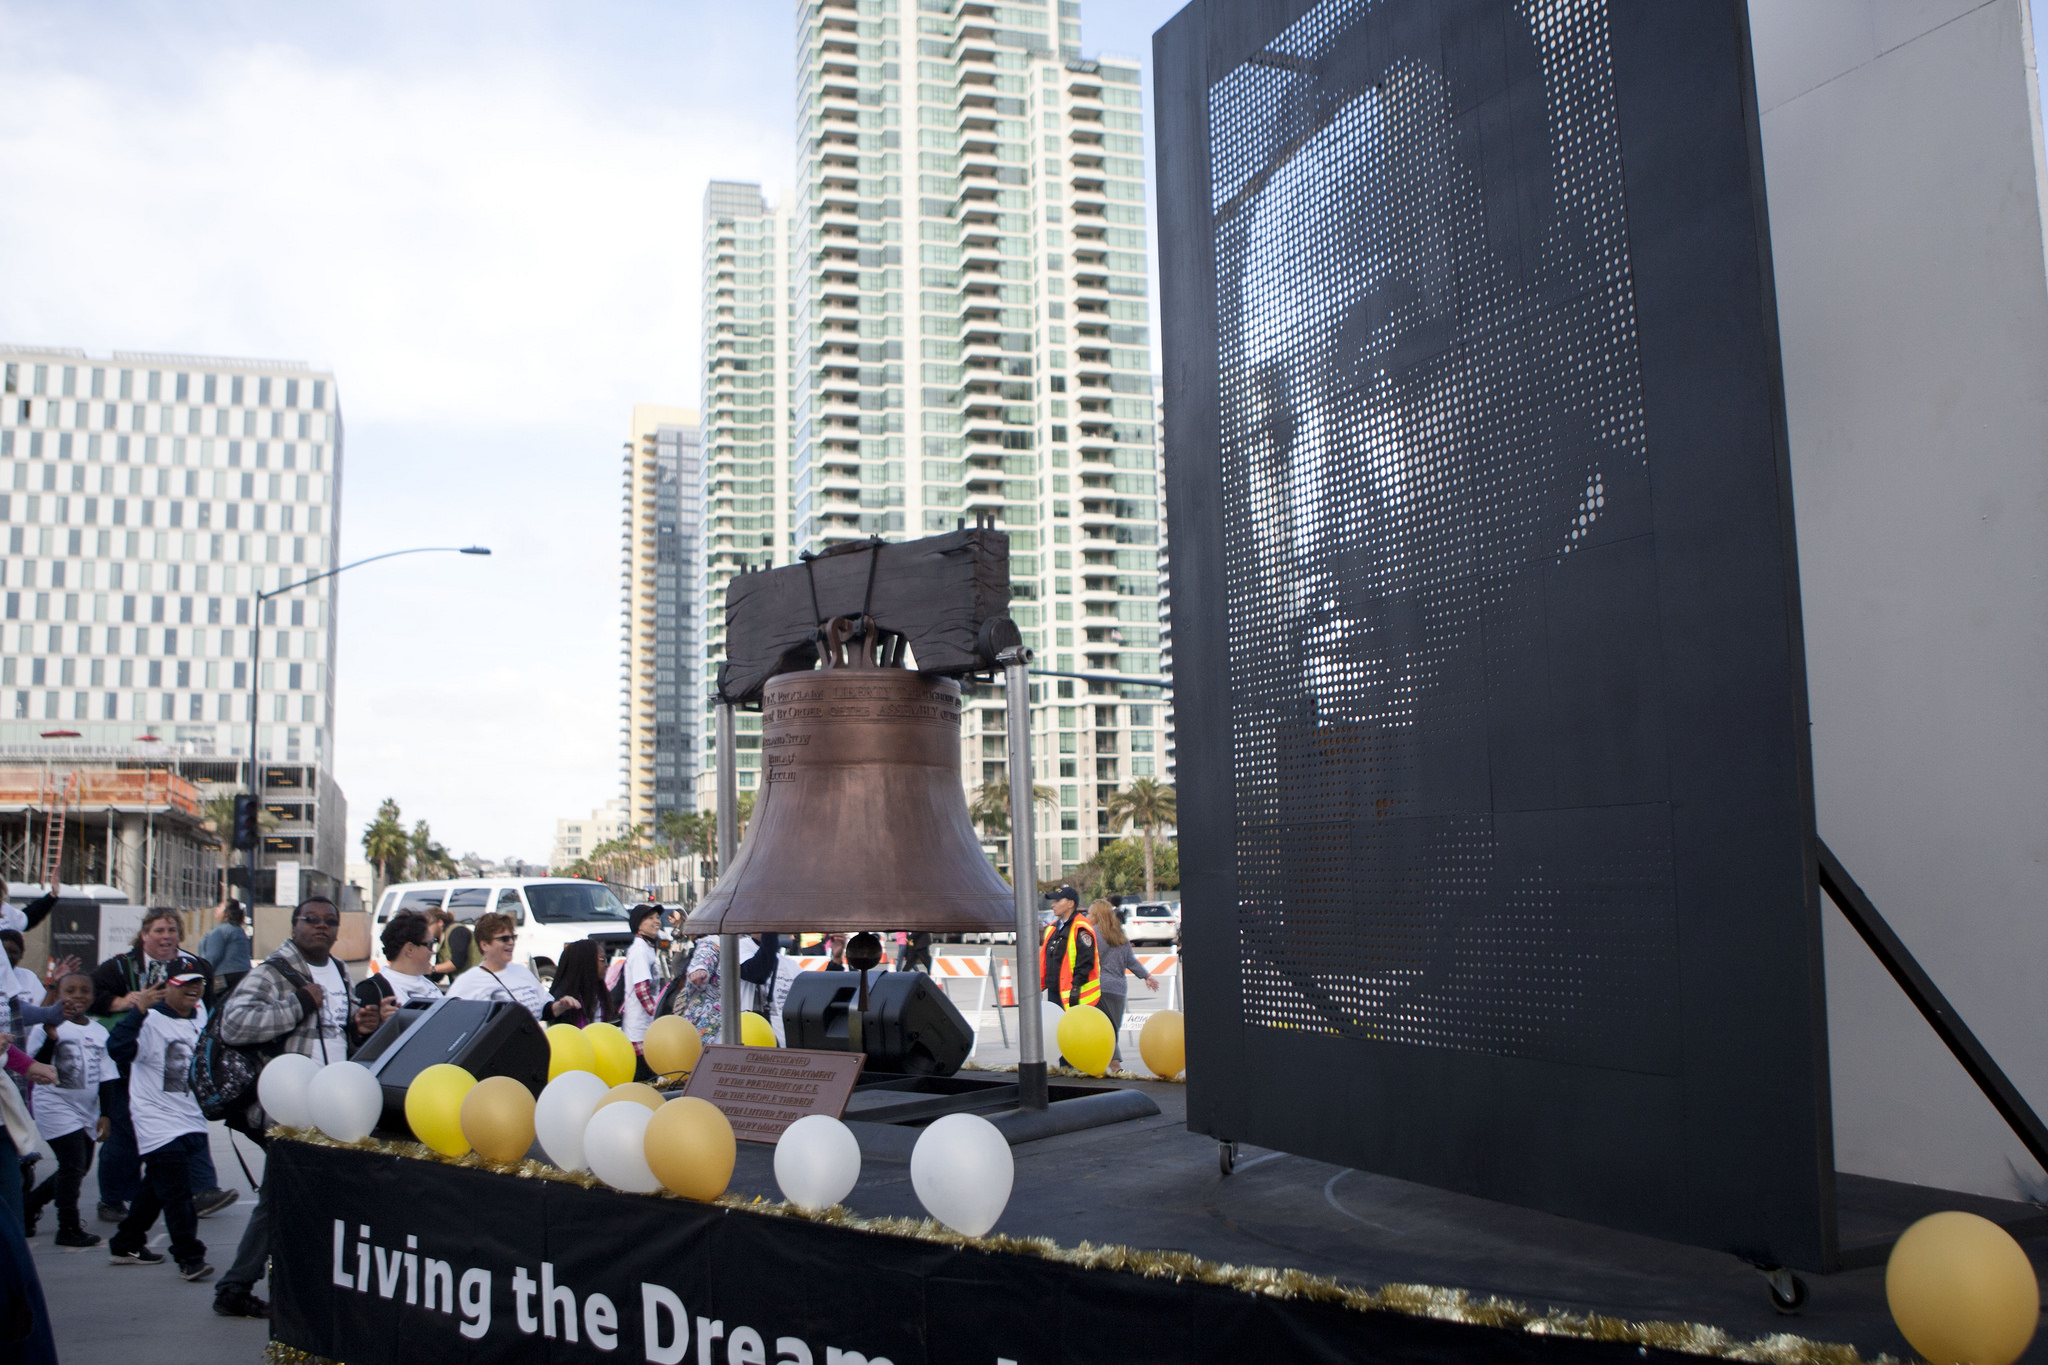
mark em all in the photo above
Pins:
pixel 1068 963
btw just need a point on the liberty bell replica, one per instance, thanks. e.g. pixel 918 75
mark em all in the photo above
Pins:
pixel 860 821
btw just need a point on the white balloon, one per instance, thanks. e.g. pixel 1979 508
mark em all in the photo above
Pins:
pixel 962 1170
pixel 281 1089
pixel 562 1113
pixel 1050 1014
pixel 817 1162
pixel 344 1101
pixel 615 1145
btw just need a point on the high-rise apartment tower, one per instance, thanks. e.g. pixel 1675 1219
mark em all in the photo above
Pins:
pixel 970 332
pixel 662 586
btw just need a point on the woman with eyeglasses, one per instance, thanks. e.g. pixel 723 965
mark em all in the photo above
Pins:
pixel 498 977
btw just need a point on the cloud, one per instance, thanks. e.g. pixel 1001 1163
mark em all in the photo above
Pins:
pixel 496 252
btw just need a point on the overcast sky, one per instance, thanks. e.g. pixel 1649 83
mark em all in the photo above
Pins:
pixel 483 217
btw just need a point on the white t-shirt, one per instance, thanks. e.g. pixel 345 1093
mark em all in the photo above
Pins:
pixel 639 969
pixel 159 1088
pixel 408 988
pixel 514 983
pixel 334 1003
pixel 26 985
pixel 82 1063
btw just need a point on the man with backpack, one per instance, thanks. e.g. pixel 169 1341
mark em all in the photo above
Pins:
pixel 295 1000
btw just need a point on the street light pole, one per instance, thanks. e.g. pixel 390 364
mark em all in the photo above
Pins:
pixel 256 674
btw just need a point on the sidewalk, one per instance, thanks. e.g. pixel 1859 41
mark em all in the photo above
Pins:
pixel 103 1312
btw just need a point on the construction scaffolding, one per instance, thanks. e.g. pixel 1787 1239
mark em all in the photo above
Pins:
pixel 143 831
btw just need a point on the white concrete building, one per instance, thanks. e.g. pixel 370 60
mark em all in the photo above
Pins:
pixel 146 499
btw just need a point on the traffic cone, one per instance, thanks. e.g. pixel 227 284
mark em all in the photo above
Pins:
pixel 1006 989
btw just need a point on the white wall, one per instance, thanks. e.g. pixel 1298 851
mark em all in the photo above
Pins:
pixel 1902 152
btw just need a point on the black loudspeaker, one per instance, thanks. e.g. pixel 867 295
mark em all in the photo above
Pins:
pixel 483 1037
pixel 909 1025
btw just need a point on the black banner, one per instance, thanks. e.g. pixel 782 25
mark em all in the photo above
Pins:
pixel 381 1258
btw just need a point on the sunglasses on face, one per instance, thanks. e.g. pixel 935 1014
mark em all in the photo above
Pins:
pixel 506 938
pixel 320 921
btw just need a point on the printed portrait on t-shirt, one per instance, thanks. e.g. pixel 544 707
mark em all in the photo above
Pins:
pixel 177 1062
pixel 71 1063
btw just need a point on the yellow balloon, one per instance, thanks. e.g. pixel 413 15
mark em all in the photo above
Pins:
pixel 1962 1291
pixel 639 1092
pixel 756 1031
pixel 1086 1039
pixel 497 1118
pixel 672 1045
pixel 568 1050
pixel 1163 1043
pixel 690 1148
pixel 433 1107
pixel 616 1060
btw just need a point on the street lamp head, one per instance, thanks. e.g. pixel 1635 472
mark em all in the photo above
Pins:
pixel 475 550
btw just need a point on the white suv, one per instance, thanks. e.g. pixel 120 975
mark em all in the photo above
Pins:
pixel 1151 922
pixel 551 912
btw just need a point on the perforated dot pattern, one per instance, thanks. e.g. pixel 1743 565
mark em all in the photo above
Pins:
pixel 1431 404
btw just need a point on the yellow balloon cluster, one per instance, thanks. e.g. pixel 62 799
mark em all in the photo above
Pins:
pixel 755 1031
pixel 1086 1039
pixel 497 1118
pixel 1962 1291
pixel 569 1050
pixel 433 1107
pixel 690 1148
pixel 672 1046
pixel 1163 1043
pixel 615 1059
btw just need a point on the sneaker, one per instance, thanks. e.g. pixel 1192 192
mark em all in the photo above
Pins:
pixel 194 1270
pixel 142 1257
pixel 238 1301
pixel 112 1213
pixel 77 1237
pixel 209 1202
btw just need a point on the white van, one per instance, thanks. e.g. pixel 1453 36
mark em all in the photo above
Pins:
pixel 551 913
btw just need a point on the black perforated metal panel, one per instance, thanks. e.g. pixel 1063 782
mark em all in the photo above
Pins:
pixel 1444 739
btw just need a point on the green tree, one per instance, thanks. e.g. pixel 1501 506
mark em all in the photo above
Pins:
pixel 386 845
pixel 1118 869
pixel 1147 803
pixel 429 859
pixel 989 807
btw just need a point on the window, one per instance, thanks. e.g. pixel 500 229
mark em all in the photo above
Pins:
pixel 419 901
pixel 558 903
pixel 464 902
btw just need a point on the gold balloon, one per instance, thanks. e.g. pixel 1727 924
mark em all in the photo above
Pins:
pixel 1087 1039
pixel 433 1107
pixel 639 1092
pixel 672 1045
pixel 690 1148
pixel 568 1050
pixel 756 1031
pixel 1163 1043
pixel 1962 1291
pixel 497 1118
pixel 616 1060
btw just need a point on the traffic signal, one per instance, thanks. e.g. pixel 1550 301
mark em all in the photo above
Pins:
pixel 245 822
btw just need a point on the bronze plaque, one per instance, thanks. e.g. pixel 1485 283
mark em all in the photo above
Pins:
pixel 762 1090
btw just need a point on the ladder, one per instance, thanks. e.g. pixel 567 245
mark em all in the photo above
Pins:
pixel 53 832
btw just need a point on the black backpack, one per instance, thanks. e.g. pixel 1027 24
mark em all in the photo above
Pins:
pixel 223 1076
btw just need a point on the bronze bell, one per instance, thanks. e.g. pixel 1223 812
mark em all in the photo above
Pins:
pixel 861 821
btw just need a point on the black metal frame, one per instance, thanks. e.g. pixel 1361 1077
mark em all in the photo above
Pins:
pixel 1723 1136
pixel 1919 987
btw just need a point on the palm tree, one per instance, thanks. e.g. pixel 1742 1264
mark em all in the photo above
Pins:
pixel 1148 803
pixel 386 846
pixel 429 859
pixel 990 806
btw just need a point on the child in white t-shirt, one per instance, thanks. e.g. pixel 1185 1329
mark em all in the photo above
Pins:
pixel 68 1111
pixel 157 1049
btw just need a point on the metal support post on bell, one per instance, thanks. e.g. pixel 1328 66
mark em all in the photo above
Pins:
pixel 728 858
pixel 1031 1092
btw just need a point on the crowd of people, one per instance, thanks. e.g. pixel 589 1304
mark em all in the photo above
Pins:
pixel 102 1061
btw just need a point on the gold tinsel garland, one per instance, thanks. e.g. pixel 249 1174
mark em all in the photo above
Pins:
pixel 1415 1300
pixel 1054 1069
